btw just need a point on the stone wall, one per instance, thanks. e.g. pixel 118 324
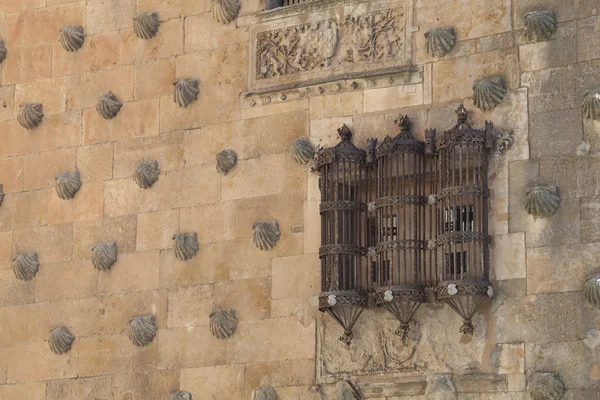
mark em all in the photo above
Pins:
pixel 538 320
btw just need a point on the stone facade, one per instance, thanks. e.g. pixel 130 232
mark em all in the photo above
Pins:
pixel 266 79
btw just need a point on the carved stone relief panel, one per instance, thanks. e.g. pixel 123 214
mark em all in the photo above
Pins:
pixel 346 39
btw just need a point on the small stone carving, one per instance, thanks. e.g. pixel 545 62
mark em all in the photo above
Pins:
pixel 2 51
pixel 223 323
pixel 226 160
pixel 146 174
pixel 303 150
pixel 440 41
pixel 264 393
pixel 142 330
pixel 67 184
pixel 60 340
pixel 104 255
pixel 440 387
pixel 266 234
pixel 71 37
pixel 145 25
pixel 25 266
pixel 542 201
pixel 488 93
pixel 591 290
pixel 108 106
pixel 186 245
pixel 346 390
pixel 546 386
pixel 1 193
pixel 186 91
pixel 225 11
pixel 539 25
pixel 180 396
pixel 505 141
pixel 591 103
pixel 30 115
pixel 332 300
pixel 582 148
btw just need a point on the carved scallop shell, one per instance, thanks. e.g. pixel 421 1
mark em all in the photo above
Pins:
pixel 186 91
pixel 67 184
pixel 223 323
pixel 145 25
pixel 264 393
pixel 539 25
pixel 60 340
pixel 591 103
pixel 1 193
pixel 142 330
pixel 180 396
pixel 108 106
pixel 266 234
pixel 104 255
pixel 225 11
pixel 30 115
pixel 591 290
pixel 186 245
pixel 71 37
pixel 440 41
pixel 2 51
pixel 226 160
pixel 25 266
pixel 303 150
pixel 146 174
pixel 488 93
pixel 542 201
pixel 546 386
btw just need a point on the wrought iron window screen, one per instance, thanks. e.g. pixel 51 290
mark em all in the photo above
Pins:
pixel 405 223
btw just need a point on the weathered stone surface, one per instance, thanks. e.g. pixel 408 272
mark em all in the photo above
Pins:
pixel 440 387
pixel 83 90
pixel 509 358
pixel 295 277
pixel 213 222
pixel 27 64
pixel 95 162
pixel 86 234
pixel 249 297
pixel 49 366
pixel 279 373
pixel 110 15
pixel 223 380
pixel 88 204
pixel 167 149
pixel 31 390
pixel 562 50
pixel 508 256
pixel 49 92
pixel 523 174
pixel 131 272
pixel 53 243
pixel 15 291
pixel 222 35
pixel 24 209
pixel 190 306
pixel 202 145
pixel 40 170
pixel 154 78
pixel 77 389
pixel 123 197
pixel 189 187
pixel 189 347
pixel 155 229
pixel 65 280
pixel 168 42
pixel 101 51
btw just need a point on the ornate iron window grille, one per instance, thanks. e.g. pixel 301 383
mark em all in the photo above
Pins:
pixel 405 223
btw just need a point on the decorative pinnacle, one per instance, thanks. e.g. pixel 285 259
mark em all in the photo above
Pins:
pixel 462 114
pixel 345 132
pixel 403 122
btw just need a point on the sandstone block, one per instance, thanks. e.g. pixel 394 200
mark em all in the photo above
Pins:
pixel 41 170
pixel 192 346
pixel 562 50
pixel 11 174
pixel 154 78
pixel 107 315
pixel 213 222
pixel 27 64
pixel 509 358
pixel 77 389
pixel 495 42
pixel 522 175
pixel 296 277
pixel 250 297
pixel 257 341
pixel 257 177
pixel 273 109
pixel 590 220
pixel 88 203
pixel 286 209
pixel 564 10
pixel 312 227
pixel 112 354
pixel 563 228
pixel 87 234
pixel 14 291
pixel 553 125
pixel 109 15
pixel 6 239
pixel 274 134
pixel 167 43
pixel 24 209
pixel 52 242
pixel 123 197
pixel 95 163
pixel 189 187
pixel 190 306
pixel 222 35
pixel 538 319
pixel 134 120
pixel 23 324
pixel 50 92
pixel 145 382
pixel 202 145
pixel 206 267
pixel 34 27
pixel 102 51
pixel 27 390
pixel 516 382
pixel 508 256
pixel 83 91
pixel 392 97
pixel 481 383
pixel 19 5
pixel 7 99
pixel 336 105
pixel 132 272
pixel 66 280
pixel 279 373
pixel 167 149
pixel 155 229
pixel 572 361
pixel 222 380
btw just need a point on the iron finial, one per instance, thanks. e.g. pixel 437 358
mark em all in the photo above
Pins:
pixel 462 114
pixel 345 132
pixel 403 122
